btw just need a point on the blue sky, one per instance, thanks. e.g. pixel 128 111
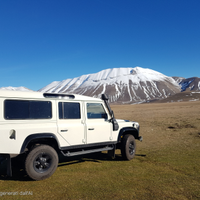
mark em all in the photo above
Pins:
pixel 42 41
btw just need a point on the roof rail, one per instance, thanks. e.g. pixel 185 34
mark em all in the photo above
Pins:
pixel 58 96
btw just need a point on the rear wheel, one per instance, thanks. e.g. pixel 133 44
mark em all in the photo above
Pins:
pixel 128 147
pixel 41 162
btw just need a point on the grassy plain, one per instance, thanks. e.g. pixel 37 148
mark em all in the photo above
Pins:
pixel 166 165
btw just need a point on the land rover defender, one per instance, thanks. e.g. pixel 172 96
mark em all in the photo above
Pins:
pixel 39 126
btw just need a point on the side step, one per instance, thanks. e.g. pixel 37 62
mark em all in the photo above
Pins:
pixel 69 154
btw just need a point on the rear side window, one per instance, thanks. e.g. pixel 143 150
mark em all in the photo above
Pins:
pixel 23 109
pixel 69 110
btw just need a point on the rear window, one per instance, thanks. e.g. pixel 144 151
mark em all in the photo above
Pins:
pixel 69 110
pixel 23 109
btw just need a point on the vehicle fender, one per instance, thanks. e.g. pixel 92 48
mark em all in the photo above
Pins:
pixel 128 130
pixel 36 137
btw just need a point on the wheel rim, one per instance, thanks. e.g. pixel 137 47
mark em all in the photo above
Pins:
pixel 131 148
pixel 42 162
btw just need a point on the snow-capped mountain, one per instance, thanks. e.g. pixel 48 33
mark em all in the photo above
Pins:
pixel 16 88
pixel 123 85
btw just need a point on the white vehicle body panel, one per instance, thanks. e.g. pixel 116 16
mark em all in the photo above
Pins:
pixel 69 132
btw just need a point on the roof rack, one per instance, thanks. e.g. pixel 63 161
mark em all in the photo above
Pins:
pixel 58 96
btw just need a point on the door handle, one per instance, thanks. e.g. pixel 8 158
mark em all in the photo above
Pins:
pixel 90 129
pixel 64 130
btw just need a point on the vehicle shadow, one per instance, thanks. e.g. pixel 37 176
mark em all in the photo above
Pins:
pixel 93 157
pixel 19 173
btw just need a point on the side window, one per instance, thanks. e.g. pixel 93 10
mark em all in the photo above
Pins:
pixel 69 110
pixel 96 111
pixel 40 110
pixel 23 109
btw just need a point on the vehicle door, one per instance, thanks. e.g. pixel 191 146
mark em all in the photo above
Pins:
pixel 70 122
pixel 97 123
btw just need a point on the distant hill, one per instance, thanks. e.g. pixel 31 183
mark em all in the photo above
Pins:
pixel 190 84
pixel 181 97
pixel 15 88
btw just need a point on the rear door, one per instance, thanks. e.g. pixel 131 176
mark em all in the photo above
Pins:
pixel 71 125
pixel 97 125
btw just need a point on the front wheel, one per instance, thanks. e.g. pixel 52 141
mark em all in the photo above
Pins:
pixel 41 162
pixel 128 147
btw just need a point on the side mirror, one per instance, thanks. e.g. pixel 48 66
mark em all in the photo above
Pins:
pixel 105 116
pixel 115 125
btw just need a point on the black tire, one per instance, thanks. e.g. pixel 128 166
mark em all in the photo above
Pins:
pixel 128 147
pixel 41 162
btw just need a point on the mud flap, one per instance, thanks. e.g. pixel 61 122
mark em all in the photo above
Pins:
pixel 9 167
pixel 111 153
pixel 8 164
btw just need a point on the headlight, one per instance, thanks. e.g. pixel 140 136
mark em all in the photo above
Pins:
pixel 136 125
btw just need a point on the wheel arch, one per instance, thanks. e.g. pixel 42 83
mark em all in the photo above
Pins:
pixel 40 138
pixel 128 130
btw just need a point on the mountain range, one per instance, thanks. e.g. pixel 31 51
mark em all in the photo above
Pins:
pixel 124 85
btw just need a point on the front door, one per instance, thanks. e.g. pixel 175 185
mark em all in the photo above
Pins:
pixel 97 125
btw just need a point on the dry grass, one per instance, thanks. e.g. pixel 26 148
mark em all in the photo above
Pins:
pixel 165 123
pixel 166 166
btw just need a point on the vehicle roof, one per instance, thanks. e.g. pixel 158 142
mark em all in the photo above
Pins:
pixel 41 95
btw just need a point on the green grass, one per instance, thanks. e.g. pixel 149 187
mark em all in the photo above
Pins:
pixel 166 166
pixel 167 174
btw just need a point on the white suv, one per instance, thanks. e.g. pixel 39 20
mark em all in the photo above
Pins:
pixel 41 125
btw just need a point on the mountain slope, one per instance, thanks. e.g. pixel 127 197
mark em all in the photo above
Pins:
pixel 123 85
pixel 190 84
pixel 178 79
pixel 181 97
